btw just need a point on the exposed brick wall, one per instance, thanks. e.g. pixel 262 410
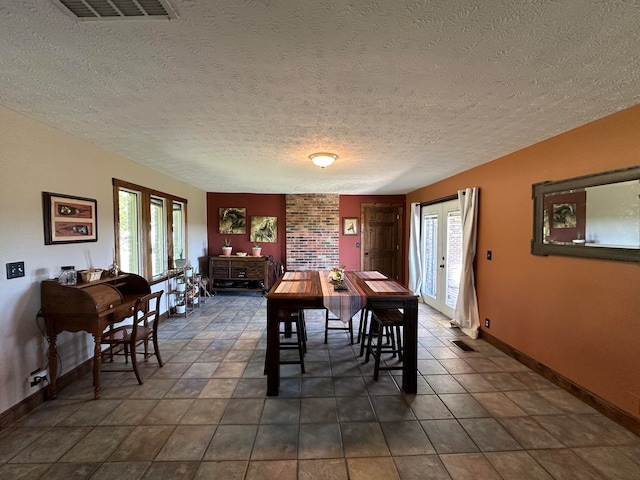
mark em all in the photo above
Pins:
pixel 313 231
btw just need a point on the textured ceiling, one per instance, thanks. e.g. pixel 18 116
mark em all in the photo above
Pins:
pixel 234 95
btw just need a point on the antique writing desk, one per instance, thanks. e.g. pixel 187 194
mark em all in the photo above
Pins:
pixel 89 307
pixel 303 290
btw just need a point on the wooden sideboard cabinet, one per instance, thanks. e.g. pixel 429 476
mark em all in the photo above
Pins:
pixel 239 274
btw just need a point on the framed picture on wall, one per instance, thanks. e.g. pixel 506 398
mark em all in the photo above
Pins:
pixel 350 226
pixel 264 229
pixel 566 214
pixel 233 220
pixel 69 219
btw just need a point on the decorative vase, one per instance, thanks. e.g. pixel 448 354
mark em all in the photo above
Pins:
pixel 226 251
pixel 256 251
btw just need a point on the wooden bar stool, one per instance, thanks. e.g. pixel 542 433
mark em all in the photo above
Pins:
pixel 362 331
pixel 286 332
pixel 346 328
pixel 382 319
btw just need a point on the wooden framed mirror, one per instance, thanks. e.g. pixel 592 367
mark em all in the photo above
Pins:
pixel 593 216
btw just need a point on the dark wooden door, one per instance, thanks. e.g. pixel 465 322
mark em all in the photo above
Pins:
pixel 382 239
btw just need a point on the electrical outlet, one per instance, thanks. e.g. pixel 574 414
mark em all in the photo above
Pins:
pixel 37 377
pixel 15 270
pixel 487 323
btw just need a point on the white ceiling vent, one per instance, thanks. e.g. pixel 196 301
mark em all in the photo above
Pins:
pixel 117 9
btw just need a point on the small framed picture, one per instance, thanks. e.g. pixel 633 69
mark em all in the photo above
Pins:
pixel 69 219
pixel 350 226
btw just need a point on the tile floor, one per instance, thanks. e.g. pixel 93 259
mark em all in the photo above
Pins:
pixel 205 415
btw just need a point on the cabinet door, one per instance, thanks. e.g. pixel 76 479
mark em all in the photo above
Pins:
pixel 255 270
pixel 220 268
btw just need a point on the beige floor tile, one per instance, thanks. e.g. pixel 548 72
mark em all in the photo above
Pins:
pixel 186 443
pixel 98 444
pixel 51 445
pixel 372 468
pixel 142 444
pixel 469 466
pixel 325 469
pixel 227 470
pixel 272 470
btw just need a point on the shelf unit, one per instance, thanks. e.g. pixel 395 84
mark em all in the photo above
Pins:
pixel 184 291
pixel 239 274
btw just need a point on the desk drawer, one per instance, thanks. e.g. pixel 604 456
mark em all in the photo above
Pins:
pixel 105 297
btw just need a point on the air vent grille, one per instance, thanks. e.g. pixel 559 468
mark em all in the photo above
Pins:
pixel 117 9
pixel 463 346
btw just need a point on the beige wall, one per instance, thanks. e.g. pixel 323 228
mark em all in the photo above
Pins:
pixel 36 158
pixel 580 317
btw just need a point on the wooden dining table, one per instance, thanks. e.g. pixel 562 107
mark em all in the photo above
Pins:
pixel 294 291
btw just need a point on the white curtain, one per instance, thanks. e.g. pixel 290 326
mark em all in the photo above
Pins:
pixel 466 313
pixel 415 263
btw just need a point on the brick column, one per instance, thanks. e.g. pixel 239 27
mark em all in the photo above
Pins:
pixel 313 230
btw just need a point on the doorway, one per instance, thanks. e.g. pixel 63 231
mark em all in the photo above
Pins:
pixel 441 249
pixel 382 239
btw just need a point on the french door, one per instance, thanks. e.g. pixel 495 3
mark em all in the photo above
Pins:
pixel 441 245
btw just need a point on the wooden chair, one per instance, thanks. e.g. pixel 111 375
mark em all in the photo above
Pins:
pixel 144 327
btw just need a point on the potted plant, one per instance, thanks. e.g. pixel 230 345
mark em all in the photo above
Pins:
pixel 180 306
pixel 256 250
pixel 180 262
pixel 336 275
pixel 226 249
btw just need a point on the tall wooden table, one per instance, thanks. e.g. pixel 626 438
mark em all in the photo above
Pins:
pixel 302 290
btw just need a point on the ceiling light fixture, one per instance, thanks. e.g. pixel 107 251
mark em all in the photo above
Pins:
pixel 323 159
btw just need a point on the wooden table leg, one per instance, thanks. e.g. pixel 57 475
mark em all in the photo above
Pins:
pixel 273 350
pixel 53 366
pixel 410 355
pixel 97 367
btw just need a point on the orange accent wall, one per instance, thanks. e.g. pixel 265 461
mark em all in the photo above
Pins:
pixel 579 317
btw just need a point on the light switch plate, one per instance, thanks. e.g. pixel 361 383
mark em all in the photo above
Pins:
pixel 15 270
